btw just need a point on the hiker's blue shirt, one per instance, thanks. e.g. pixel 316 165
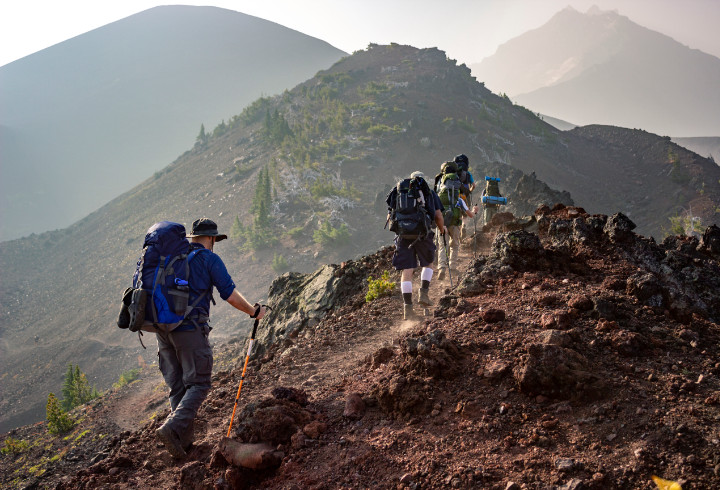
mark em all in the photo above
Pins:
pixel 207 270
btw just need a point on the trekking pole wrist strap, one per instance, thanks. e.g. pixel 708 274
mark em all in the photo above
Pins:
pixel 257 307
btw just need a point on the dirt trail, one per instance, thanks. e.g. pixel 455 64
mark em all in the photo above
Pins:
pixel 342 358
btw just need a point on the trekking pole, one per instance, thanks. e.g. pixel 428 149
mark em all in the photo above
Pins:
pixel 242 376
pixel 447 260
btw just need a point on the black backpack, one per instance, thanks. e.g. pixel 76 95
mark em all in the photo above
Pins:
pixel 410 218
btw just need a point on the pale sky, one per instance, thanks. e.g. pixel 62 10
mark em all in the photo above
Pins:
pixel 468 30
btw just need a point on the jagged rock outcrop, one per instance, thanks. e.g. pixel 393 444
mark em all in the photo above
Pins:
pixel 301 301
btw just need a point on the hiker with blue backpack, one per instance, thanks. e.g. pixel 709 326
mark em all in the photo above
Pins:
pixel 412 209
pixel 171 296
pixel 491 199
pixel 453 195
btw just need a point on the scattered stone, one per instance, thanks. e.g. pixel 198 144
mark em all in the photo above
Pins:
pixel 354 406
pixel 253 456
pixel 315 429
pixel 493 315
pixel 564 464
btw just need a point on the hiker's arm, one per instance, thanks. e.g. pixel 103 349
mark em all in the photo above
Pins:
pixel 472 212
pixel 439 221
pixel 238 301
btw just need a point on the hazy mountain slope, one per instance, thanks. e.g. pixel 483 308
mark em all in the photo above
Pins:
pixel 86 119
pixel 332 146
pixel 707 147
pixel 602 68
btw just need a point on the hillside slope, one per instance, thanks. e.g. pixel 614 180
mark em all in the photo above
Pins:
pixel 328 151
pixel 601 68
pixel 583 356
pixel 91 117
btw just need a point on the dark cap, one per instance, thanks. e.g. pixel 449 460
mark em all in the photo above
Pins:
pixel 205 227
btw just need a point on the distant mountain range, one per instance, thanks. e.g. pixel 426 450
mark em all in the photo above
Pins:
pixel 89 118
pixel 601 68
pixel 330 148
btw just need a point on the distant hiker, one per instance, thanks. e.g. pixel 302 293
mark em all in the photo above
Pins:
pixel 412 207
pixel 463 165
pixel 453 195
pixel 185 355
pixel 491 199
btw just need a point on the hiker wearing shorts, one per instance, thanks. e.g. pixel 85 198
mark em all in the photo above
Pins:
pixel 184 354
pixel 418 250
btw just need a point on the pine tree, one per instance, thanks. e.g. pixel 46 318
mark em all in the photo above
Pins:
pixel 58 420
pixel 236 230
pixel 202 137
pixel 76 390
pixel 68 389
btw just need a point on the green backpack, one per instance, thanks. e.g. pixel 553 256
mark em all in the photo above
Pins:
pixel 449 193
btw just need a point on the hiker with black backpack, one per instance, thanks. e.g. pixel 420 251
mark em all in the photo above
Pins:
pixel 171 295
pixel 412 208
pixel 453 195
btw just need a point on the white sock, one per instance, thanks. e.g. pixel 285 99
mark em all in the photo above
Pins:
pixel 406 287
pixel 426 274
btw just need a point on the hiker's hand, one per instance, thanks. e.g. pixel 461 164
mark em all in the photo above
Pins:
pixel 475 209
pixel 260 311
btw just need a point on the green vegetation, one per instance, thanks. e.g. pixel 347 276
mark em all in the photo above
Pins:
pixel 236 230
pixel 467 126
pixel 260 234
pixel 127 377
pixel 279 263
pixel 684 225
pixel 325 187
pixel 275 127
pixel 76 390
pixel 373 88
pixel 327 235
pixel 202 138
pixel 380 287
pixel 295 232
pixel 58 420
pixel 14 446
pixel 255 111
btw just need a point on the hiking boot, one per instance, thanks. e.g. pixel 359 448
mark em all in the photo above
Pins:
pixel 188 436
pixel 408 312
pixel 441 274
pixel 424 297
pixel 171 441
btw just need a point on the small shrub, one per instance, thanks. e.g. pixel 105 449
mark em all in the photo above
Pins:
pixel 327 235
pixel 295 232
pixel 279 264
pixel 378 288
pixel 58 420
pixel 14 446
pixel 127 377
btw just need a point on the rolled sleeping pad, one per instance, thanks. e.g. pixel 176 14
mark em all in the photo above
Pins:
pixel 494 200
pixel 496 179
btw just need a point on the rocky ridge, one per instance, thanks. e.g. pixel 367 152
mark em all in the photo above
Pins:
pixel 580 356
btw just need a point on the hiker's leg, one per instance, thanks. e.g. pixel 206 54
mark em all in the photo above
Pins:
pixel 406 285
pixel 454 243
pixel 171 369
pixel 195 354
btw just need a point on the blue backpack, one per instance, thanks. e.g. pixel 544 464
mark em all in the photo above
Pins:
pixel 161 283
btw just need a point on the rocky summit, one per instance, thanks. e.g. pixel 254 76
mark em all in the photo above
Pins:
pixel 571 353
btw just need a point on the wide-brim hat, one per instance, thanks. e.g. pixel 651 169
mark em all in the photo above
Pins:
pixel 205 227
pixel 417 173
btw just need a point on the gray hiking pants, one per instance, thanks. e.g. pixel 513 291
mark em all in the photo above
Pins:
pixel 185 360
